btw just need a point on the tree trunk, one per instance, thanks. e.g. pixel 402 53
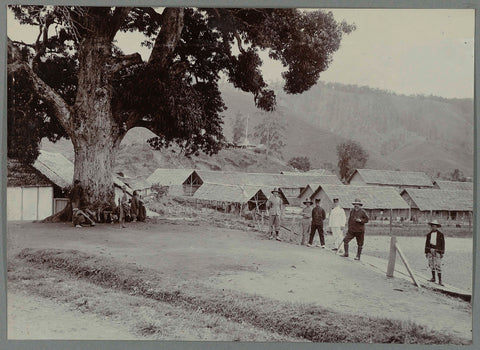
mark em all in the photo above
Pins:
pixel 95 133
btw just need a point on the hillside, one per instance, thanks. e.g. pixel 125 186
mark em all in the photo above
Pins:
pixel 418 133
pixel 399 132
pixel 137 159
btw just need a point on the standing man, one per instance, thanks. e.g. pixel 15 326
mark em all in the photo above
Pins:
pixel 306 220
pixel 337 222
pixel 434 250
pixel 123 207
pixel 76 195
pixel 318 215
pixel 275 209
pixel 135 206
pixel 356 228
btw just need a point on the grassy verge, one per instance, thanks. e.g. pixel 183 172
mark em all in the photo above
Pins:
pixel 306 321
pixel 145 318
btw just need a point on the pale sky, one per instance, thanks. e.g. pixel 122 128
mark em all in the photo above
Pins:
pixel 407 51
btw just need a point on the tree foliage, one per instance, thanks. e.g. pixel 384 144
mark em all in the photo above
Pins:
pixel 97 93
pixel 351 156
pixel 29 120
pixel 271 132
pixel 300 163
pixel 180 100
pixel 239 128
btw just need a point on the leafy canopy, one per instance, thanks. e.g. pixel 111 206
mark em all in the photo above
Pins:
pixel 176 96
pixel 351 156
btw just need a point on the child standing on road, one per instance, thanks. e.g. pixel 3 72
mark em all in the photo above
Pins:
pixel 434 250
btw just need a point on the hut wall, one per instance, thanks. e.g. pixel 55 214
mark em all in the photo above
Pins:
pixel 325 202
pixel 189 189
pixel 306 195
pixel 384 214
pixel 29 203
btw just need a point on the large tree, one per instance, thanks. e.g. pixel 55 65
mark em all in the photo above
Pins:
pixel 271 132
pixel 239 128
pixel 351 156
pixel 97 93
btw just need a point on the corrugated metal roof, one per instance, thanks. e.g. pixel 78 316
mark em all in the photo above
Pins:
pixel 455 185
pixel 164 176
pixel 226 193
pixel 434 199
pixel 372 197
pixel 56 167
pixel 394 178
pixel 274 180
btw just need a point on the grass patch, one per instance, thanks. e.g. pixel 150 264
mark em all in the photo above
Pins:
pixel 144 317
pixel 306 321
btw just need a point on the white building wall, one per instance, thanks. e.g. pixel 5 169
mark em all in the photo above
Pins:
pixel 14 203
pixel 29 203
pixel 45 202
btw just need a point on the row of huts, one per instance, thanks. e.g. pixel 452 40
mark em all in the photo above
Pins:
pixel 400 194
pixel 37 191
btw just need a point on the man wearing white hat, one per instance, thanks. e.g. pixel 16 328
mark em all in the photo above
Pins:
pixel 275 208
pixel 356 227
pixel 434 250
pixel 306 220
pixel 337 221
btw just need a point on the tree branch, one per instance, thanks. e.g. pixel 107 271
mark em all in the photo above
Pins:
pixel 168 38
pixel 22 43
pixel 124 61
pixel 235 33
pixel 61 109
pixel 239 41
pixel 117 19
pixel 14 53
pixel 41 45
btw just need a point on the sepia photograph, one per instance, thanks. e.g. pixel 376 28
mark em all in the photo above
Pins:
pixel 240 174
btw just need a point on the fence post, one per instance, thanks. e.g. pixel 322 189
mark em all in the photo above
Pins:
pixel 392 256
pixel 393 251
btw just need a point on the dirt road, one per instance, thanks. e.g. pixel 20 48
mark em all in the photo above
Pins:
pixel 31 317
pixel 245 261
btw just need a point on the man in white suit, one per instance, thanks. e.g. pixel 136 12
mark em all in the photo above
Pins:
pixel 337 223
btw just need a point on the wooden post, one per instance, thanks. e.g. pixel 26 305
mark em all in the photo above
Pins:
pixel 410 271
pixel 391 221
pixel 392 256
pixel 393 252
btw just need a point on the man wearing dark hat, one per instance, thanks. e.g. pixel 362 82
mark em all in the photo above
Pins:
pixel 434 250
pixel 275 208
pixel 306 220
pixel 318 215
pixel 356 228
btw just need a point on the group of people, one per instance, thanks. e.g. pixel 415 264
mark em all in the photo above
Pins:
pixel 127 210
pixel 312 222
pixel 133 210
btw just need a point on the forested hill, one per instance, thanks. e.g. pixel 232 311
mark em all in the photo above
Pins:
pixel 399 132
